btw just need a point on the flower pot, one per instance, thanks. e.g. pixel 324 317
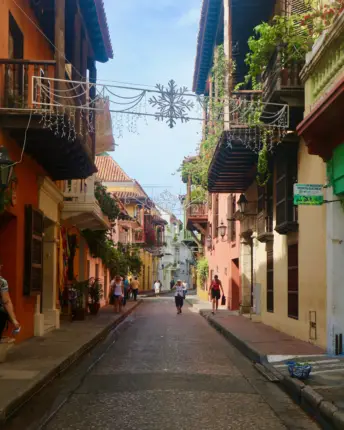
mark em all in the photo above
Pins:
pixel 94 308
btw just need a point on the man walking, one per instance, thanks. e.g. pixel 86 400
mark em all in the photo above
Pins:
pixel 135 288
pixel 172 284
pixel 126 290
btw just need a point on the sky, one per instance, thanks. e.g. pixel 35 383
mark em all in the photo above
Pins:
pixel 154 41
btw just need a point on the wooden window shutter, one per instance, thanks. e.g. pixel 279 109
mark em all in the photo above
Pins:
pixel 270 280
pixel 293 281
pixel 33 257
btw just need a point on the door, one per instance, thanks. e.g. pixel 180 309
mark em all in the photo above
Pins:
pixel 234 303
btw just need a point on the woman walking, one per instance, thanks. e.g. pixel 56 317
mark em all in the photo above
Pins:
pixel 157 288
pixel 6 307
pixel 214 292
pixel 179 296
pixel 117 291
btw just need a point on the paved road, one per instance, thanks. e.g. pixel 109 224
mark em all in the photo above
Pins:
pixel 163 371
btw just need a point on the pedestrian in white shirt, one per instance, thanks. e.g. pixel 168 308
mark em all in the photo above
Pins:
pixel 179 296
pixel 157 288
pixel 185 288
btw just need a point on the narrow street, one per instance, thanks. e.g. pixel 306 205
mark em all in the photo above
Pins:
pixel 160 370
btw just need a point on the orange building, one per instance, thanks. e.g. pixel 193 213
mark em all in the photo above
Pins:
pixel 49 42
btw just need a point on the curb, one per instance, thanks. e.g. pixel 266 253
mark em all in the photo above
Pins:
pixel 16 404
pixel 327 414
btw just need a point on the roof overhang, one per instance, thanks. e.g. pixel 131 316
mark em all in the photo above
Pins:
pixel 246 14
pixel 95 18
pixel 322 128
pixel 233 167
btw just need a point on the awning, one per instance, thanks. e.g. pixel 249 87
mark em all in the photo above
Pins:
pixel 233 167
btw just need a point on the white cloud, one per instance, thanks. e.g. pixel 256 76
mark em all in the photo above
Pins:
pixel 189 18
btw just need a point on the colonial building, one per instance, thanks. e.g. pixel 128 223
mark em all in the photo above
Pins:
pixel 51 40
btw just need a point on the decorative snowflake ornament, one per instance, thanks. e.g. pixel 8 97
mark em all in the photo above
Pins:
pixel 171 103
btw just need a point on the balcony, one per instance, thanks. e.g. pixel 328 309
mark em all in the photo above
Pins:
pixel 283 83
pixel 264 228
pixel 58 139
pixel 197 217
pixel 139 236
pixel 81 207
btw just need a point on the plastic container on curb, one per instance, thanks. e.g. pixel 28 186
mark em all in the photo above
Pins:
pixel 299 370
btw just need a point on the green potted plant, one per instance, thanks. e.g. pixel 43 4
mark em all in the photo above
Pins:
pixel 95 294
pixel 80 290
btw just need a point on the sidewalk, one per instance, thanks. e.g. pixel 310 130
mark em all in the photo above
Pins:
pixel 36 362
pixel 322 395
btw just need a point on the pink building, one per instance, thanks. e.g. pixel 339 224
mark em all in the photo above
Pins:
pixel 222 246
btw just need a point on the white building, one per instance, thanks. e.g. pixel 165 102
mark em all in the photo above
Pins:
pixel 178 257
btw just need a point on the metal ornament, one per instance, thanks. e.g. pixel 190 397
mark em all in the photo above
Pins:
pixel 171 103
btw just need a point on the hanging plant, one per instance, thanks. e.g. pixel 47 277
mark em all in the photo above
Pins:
pixel 263 174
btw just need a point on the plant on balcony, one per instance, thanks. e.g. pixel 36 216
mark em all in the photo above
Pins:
pixel 197 169
pixel 198 194
pixel 320 17
pixel 106 202
pixel 286 32
pixel 150 236
pixel 263 173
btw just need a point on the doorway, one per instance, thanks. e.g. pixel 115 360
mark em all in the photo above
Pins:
pixel 235 287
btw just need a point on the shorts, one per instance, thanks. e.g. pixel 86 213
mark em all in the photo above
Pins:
pixel 215 294
pixel 179 301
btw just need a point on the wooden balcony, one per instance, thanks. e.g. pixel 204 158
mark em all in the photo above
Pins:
pixel 264 228
pixel 197 217
pixel 57 138
pixel 282 83
pixel 80 206
pixel 139 236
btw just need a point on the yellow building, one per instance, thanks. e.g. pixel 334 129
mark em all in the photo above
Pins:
pixel 143 213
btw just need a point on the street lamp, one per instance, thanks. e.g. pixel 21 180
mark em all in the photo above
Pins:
pixel 222 230
pixel 242 203
pixel 6 169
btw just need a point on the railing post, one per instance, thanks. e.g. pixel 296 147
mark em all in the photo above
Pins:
pixel 26 85
pixel 7 83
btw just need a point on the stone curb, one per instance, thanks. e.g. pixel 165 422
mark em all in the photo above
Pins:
pixel 326 413
pixel 46 379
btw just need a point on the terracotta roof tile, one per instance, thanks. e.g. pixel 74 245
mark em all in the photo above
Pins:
pixel 109 170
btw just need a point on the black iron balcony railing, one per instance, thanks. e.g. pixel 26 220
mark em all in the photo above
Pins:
pixel 281 76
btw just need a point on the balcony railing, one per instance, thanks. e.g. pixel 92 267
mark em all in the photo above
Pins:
pixel 264 227
pixel 31 85
pixel 281 77
pixel 197 210
pixel 139 236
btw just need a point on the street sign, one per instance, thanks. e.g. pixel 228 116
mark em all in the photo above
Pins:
pixel 308 194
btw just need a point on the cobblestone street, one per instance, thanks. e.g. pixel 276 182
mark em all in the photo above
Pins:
pixel 160 370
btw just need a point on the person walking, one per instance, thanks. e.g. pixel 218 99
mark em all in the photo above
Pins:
pixel 215 294
pixel 179 297
pixel 185 288
pixel 7 313
pixel 157 288
pixel 126 286
pixel 117 291
pixel 172 284
pixel 135 288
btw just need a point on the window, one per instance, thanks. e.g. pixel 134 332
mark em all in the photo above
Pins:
pixel 33 253
pixel 293 281
pixel 216 215
pixel 270 280
pixel 286 176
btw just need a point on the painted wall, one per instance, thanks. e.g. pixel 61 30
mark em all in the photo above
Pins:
pixel 312 262
pixel 221 255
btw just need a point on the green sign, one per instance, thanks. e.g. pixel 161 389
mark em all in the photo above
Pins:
pixel 308 194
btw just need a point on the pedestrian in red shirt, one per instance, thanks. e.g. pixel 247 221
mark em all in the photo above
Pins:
pixel 215 293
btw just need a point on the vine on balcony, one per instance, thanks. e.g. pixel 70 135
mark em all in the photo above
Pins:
pixel 106 202
pixel 197 169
